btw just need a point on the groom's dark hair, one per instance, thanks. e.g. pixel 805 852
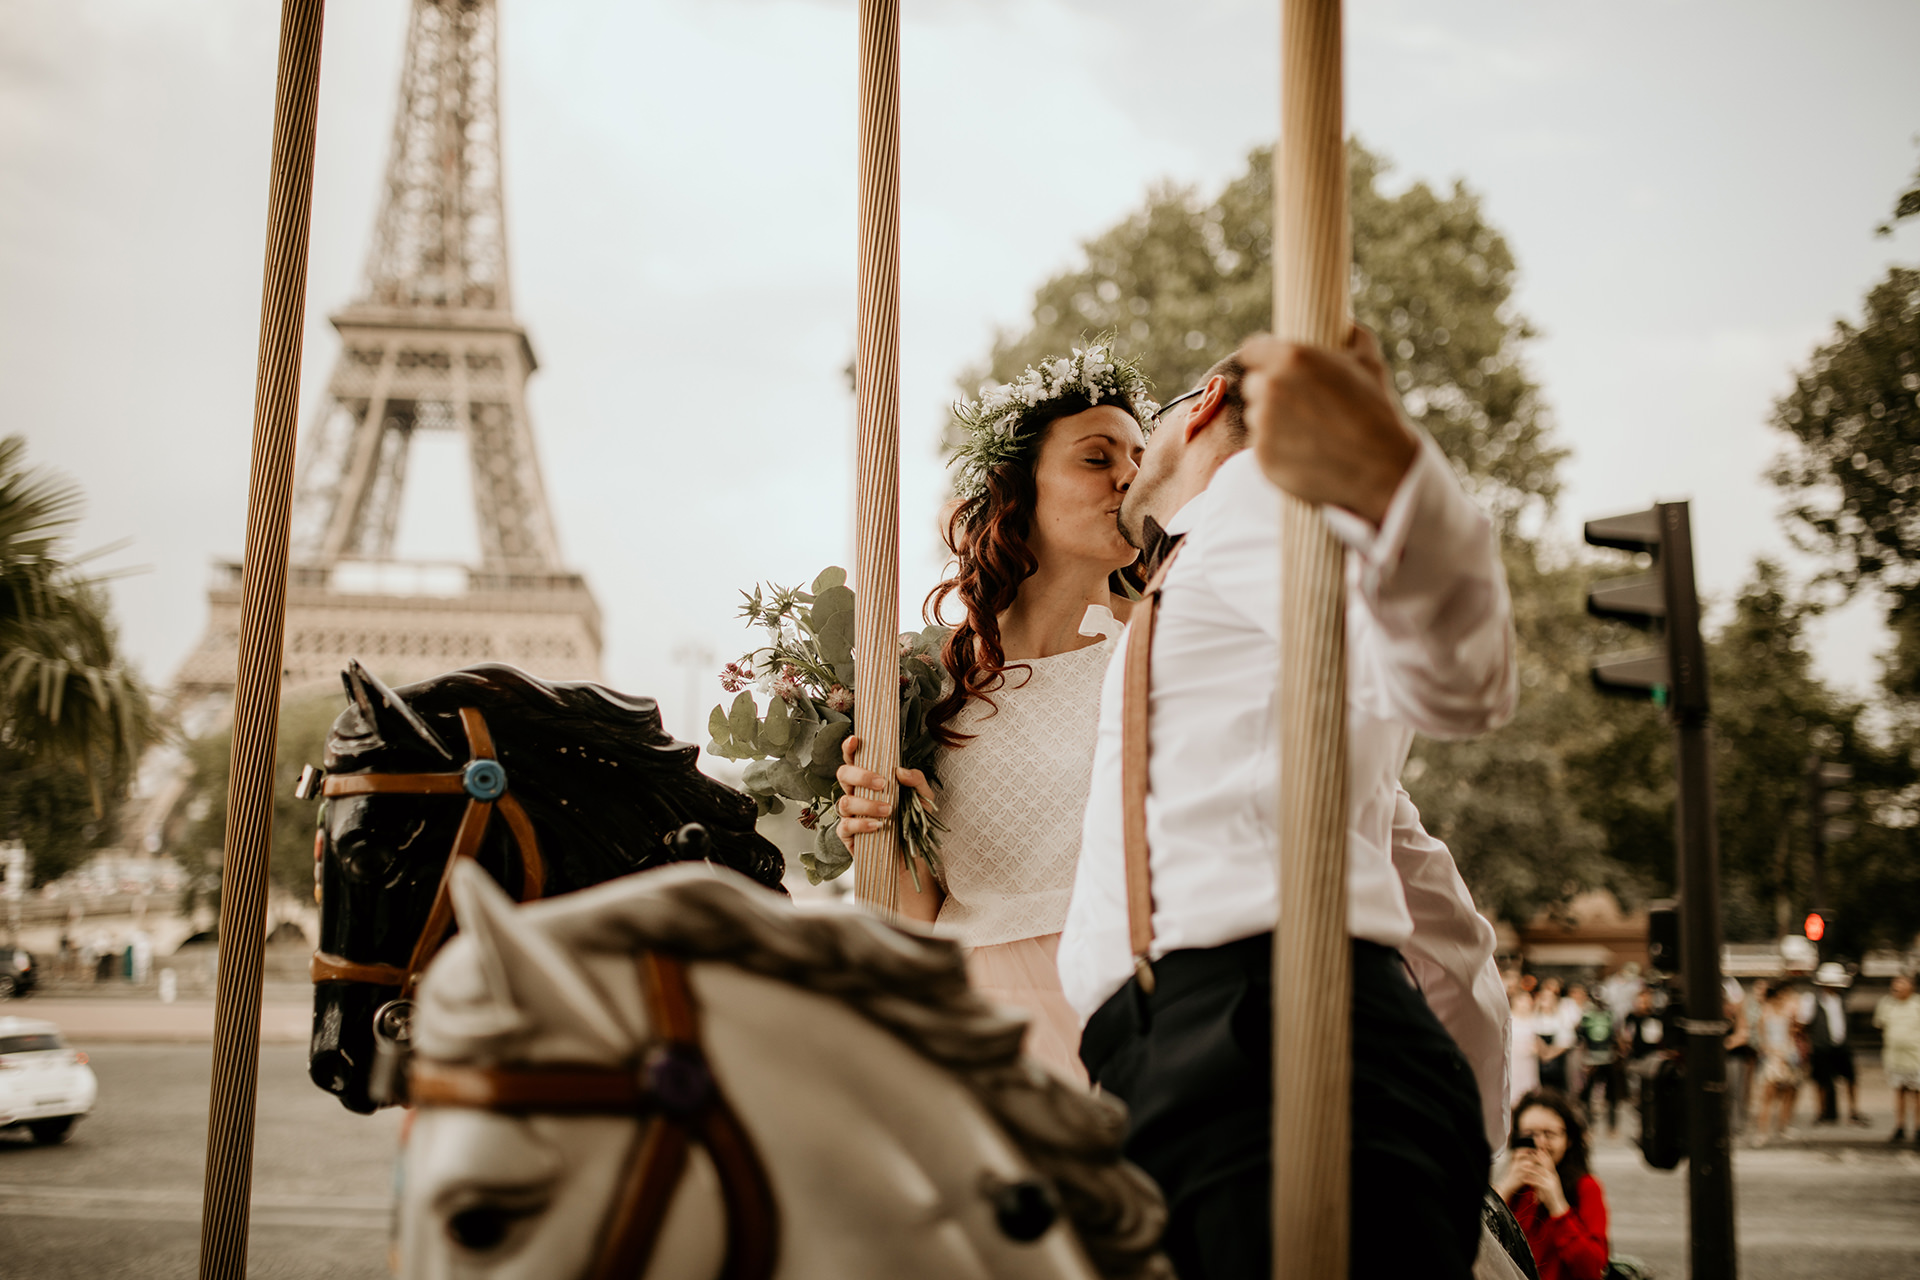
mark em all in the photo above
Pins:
pixel 1233 406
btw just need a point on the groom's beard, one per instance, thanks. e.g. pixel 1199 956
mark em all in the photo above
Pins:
pixel 1132 517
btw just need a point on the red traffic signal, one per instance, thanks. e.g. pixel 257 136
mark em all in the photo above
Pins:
pixel 1816 927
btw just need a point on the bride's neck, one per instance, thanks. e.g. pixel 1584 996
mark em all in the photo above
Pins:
pixel 1044 618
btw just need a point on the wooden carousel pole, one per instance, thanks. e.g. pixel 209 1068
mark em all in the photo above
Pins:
pixel 1312 956
pixel 263 607
pixel 876 693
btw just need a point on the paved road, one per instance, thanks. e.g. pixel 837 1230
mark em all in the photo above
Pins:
pixel 122 1196
pixel 1818 1211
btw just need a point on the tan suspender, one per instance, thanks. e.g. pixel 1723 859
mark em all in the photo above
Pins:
pixel 1136 686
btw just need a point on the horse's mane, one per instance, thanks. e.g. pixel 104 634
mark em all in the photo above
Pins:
pixel 594 768
pixel 912 985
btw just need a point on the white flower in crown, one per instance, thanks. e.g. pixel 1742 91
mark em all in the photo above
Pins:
pixel 993 427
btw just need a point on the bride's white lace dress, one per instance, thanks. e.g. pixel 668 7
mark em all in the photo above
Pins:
pixel 1012 799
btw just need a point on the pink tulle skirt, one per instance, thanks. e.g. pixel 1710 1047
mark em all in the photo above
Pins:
pixel 1022 973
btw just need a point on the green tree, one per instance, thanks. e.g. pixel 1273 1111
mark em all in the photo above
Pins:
pixel 302 740
pixel 1852 466
pixel 74 716
pixel 1181 282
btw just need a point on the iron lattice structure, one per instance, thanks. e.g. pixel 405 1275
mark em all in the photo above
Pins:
pixel 431 345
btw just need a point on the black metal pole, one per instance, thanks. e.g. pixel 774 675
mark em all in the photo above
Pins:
pixel 1709 1148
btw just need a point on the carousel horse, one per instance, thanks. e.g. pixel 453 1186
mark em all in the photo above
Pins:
pixel 677 1076
pixel 549 787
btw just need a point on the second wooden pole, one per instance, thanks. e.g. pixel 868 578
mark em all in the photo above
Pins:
pixel 263 616
pixel 1312 955
pixel 876 658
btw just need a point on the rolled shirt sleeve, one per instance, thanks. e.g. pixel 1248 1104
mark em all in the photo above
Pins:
pixel 1451 957
pixel 1439 652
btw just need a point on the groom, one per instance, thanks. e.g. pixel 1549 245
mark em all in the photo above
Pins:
pixel 1177 996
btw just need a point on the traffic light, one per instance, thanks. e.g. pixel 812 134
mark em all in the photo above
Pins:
pixel 1823 827
pixel 1663 937
pixel 1674 674
pixel 1826 802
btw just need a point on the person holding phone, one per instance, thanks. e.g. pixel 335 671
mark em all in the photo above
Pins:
pixel 1557 1202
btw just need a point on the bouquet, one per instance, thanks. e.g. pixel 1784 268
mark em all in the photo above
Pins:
pixel 805 670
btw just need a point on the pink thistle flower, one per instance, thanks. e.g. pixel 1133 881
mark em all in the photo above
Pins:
pixel 736 676
pixel 840 698
pixel 787 684
pixel 809 819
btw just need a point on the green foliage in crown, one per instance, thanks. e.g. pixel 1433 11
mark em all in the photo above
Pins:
pixel 995 427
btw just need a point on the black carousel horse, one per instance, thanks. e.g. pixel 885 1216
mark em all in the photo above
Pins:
pixel 587 785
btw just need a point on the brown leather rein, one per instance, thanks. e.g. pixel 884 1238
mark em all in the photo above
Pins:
pixel 675 1087
pixel 484 783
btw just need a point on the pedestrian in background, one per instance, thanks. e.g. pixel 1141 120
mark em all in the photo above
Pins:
pixel 1523 1057
pixel 1599 1059
pixel 1898 1017
pixel 1555 1031
pixel 1782 1064
pixel 1823 1012
pixel 1743 1052
pixel 1557 1202
pixel 1619 991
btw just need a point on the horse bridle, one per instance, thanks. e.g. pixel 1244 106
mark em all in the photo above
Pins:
pixel 484 782
pixel 674 1086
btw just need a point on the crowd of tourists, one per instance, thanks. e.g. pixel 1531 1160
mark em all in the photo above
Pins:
pixel 1593 1044
pixel 1786 1036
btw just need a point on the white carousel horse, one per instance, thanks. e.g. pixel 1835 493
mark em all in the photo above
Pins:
pixel 677 1075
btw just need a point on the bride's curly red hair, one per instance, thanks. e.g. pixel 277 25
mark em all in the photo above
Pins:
pixel 988 536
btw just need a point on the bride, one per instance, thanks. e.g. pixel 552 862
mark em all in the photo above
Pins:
pixel 1039 559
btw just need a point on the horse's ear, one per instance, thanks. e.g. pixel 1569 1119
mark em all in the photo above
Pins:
pixel 523 969
pixel 389 721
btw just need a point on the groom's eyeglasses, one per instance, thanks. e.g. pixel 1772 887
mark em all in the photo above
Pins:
pixel 1197 391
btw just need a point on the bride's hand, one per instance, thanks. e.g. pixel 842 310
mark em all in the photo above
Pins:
pixel 859 815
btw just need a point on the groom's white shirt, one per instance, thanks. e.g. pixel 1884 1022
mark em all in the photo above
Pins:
pixel 1430 650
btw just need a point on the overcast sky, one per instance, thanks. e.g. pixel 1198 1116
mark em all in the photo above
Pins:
pixel 1690 189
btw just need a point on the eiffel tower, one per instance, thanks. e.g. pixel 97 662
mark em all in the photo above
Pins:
pixel 431 345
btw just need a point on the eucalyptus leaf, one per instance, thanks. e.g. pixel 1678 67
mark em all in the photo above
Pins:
pixel 826 747
pixel 799 748
pixel 832 624
pixel 778 777
pixel 717 724
pixel 831 576
pixel 774 729
pixel 743 721
pixel 830 855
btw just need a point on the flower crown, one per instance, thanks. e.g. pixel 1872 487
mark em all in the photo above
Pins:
pixel 993 426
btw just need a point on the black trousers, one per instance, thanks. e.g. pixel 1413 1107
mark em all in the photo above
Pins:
pixel 1608 1076
pixel 1194 1064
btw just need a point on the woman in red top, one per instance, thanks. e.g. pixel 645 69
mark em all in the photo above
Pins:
pixel 1558 1203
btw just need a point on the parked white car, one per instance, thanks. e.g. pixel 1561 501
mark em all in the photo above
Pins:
pixel 44 1085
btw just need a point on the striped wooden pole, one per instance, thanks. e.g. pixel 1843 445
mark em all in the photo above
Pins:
pixel 1312 957
pixel 263 611
pixel 876 557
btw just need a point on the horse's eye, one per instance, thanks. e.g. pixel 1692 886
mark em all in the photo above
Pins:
pixel 1025 1210
pixel 482 1227
pixel 364 860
